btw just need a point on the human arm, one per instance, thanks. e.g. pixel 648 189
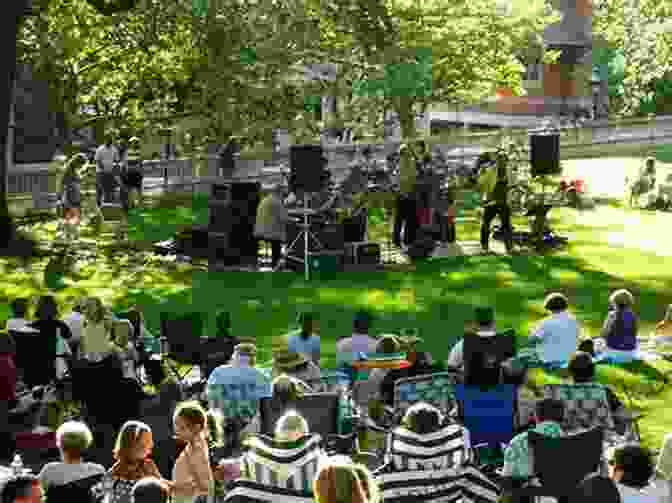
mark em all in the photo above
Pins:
pixel 198 460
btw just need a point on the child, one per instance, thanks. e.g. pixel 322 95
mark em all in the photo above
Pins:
pixel 71 196
pixel 664 328
pixel 133 462
pixel 192 473
pixel 125 348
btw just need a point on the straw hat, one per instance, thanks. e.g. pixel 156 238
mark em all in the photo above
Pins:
pixel 284 359
pixel 245 348
pixel 390 342
pixel 409 338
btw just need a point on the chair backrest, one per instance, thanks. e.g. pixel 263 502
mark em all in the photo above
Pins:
pixel 270 462
pixel 483 357
pixel 437 388
pixel 183 333
pixel 586 405
pixel 434 451
pixel 488 415
pixel 468 485
pixel 322 411
pixel 249 491
pixel 330 381
pixel 547 452
pixel 79 491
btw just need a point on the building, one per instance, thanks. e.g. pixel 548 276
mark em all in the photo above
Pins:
pixel 561 88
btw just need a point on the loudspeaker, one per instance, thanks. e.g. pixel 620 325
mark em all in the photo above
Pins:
pixel 307 165
pixel 233 212
pixel 545 154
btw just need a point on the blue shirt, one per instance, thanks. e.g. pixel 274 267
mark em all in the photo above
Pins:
pixel 309 347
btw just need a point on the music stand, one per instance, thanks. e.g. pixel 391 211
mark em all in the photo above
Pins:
pixel 306 234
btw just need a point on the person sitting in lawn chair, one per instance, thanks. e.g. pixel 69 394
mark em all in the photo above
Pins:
pixel 645 183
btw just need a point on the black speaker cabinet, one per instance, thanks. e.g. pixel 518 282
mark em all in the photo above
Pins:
pixel 233 212
pixel 307 165
pixel 545 154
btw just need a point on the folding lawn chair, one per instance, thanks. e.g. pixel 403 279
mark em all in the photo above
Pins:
pixel 437 388
pixel 183 336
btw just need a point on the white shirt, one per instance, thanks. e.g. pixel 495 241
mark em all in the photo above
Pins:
pixel 658 492
pixel 106 156
pixel 19 325
pixel 75 321
pixel 559 336
pixel 347 349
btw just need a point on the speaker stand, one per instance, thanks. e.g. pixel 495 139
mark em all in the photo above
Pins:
pixel 306 234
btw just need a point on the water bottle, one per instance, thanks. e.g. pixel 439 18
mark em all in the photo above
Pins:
pixel 17 464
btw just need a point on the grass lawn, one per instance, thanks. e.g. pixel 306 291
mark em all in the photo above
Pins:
pixel 437 297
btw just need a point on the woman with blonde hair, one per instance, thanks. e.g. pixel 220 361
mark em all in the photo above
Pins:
pixel 96 344
pixel 339 480
pixel 621 327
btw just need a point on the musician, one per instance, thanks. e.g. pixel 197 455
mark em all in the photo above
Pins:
pixel 271 222
pixel 494 182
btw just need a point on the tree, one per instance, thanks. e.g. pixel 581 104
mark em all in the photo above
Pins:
pixel 637 31
pixel 10 22
pixel 473 50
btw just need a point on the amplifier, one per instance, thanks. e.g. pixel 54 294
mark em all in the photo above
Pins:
pixel 362 253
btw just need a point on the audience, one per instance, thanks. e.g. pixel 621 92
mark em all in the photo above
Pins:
pixel 485 327
pixel 664 465
pixel 631 468
pixel 157 411
pixel 339 480
pixel 597 488
pixel 287 391
pixel 582 370
pixel 557 335
pixel 52 345
pixel 192 474
pixel 517 455
pixel 149 490
pixel 75 321
pixel 96 345
pixel 132 454
pixel 72 439
pixel 188 476
pixel 349 348
pixel 306 340
pixel 296 365
pixel 420 364
pixel 291 427
pixel 20 320
pixel 621 326
pixel 22 489
pixel 663 331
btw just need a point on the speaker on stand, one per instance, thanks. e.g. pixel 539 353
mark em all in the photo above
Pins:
pixel 307 164
pixel 545 153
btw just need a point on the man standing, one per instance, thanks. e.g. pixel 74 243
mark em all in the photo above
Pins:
pixel 106 157
pixel 494 183
pixel 131 163
pixel 271 223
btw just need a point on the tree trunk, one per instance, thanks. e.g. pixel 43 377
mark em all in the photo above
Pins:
pixel 9 26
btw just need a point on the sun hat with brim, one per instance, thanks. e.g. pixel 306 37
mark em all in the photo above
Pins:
pixel 389 341
pixel 555 300
pixel 287 360
pixel 245 348
pixel 409 337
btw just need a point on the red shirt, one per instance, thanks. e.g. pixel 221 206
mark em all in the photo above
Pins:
pixel 7 377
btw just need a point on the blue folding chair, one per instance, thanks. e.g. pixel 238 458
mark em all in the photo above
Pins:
pixel 488 415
